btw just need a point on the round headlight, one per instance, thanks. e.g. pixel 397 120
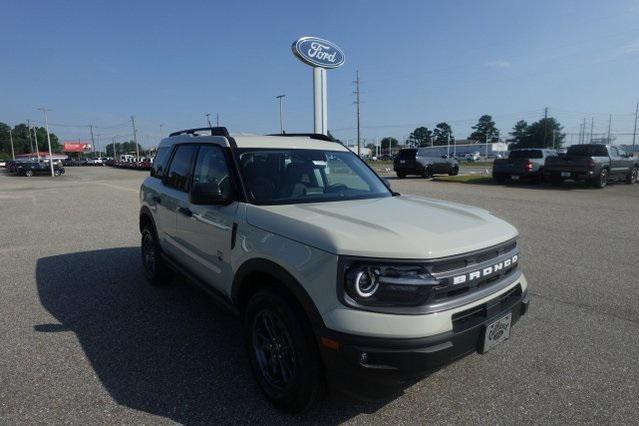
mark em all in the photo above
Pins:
pixel 366 283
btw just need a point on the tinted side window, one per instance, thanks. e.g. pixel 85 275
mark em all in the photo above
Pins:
pixel 211 167
pixel 160 162
pixel 180 169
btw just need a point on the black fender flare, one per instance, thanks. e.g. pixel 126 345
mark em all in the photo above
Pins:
pixel 145 213
pixel 260 265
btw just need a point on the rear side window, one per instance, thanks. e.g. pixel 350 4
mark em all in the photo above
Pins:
pixel 160 162
pixel 588 150
pixel 526 153
pixel 180 168
pixel 407 154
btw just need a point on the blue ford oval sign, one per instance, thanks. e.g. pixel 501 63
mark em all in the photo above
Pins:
pixel 317 52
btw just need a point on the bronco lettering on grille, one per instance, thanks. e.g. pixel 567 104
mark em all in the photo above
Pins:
pixel 485 272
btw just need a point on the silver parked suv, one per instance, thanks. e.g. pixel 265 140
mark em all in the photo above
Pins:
pixel 338 280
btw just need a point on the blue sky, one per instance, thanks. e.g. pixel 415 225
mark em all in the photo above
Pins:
pixel 420 63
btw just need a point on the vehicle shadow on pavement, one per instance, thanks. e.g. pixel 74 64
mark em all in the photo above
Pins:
pixel 170 351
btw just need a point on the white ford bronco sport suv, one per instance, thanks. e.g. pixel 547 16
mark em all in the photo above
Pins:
pixel 338 280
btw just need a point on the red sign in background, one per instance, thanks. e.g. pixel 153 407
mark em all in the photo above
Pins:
pixel 77 146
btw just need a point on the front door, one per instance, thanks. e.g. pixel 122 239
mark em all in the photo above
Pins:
pixel 206 231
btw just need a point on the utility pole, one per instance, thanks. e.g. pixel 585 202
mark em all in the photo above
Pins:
pixel 46 124
pixel 592 127
pixel 217 119
pixel 281 97
pixel 583 131
pixel 92 139
pixel 447 145
pixel 634 133
pixel 554 133
pixel 115 155
pixel 208 119
pixel 13 154
pixel 545 124
pixel 357 104
pixel 135 139
pixel 99 153
pixel 161 125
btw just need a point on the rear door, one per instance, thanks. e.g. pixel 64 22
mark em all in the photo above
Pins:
pixel 617 162
pixel 175 194
pixel 205 232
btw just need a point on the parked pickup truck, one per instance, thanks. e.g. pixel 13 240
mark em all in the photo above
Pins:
pixel 522 164
pixel 594 163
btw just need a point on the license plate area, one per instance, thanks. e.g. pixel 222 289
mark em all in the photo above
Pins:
pixel 565 174
pixel 514 177
pixel 497 331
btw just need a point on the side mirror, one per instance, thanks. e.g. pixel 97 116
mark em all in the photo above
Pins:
pixel 208 194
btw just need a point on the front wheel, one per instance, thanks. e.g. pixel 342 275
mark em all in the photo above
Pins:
pixel 632 176
pixel 427 173
pixel 454 171
pixel 28 173
pixel 283 353
pixel 602 180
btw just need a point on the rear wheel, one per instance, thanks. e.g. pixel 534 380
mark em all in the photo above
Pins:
pixel 602 180
pixel 454 171
pixel 57 172
pixel 499 178
pixel 427 173
pixel 155 270
pixel 283 352
pixel 632 176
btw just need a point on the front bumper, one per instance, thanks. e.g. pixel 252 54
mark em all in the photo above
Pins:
pixel 371 367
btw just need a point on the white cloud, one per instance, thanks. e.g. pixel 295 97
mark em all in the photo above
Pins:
pixel 631 48
pixel 498 63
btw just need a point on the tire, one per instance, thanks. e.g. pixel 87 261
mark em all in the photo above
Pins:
pixel 401 175
pixel 282 350
pixel 57 173
pixel 556 180
pixel 454 171
pixel 601 181
pixel 500 178
pixel 155 270
pixel 28 173
pixel 427 173
pixel 632 176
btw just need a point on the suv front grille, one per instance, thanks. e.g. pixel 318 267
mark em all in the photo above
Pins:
pixel 474 271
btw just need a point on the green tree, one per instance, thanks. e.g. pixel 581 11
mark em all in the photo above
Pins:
pixel 545 133
pixel 421 136
pixel 387 144
pixel 123 148
pixel 520 132
pixel 24 140
pixel 485 130
pixel 443 134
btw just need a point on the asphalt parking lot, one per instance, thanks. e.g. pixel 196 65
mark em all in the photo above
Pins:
pixel 86 340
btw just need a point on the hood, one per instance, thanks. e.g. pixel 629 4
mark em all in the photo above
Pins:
pixel 402 227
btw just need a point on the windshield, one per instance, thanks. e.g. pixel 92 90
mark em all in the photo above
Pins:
pixel 288 176
pixel 526 153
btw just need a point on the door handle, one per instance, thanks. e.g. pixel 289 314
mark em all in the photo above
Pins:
pixel 185 211
pixel 157 199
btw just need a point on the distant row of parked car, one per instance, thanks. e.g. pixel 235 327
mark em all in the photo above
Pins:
pixel 594 163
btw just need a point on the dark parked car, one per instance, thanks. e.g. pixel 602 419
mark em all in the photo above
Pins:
pixel 522 164
pixel 37 167
pixel 413 161
pixel 594 163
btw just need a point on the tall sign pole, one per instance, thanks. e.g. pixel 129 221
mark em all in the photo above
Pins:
pixel 280 98
pixel 634 133
pixel 321 55
pixel 46 124
pixel 135 139
pixel 13 154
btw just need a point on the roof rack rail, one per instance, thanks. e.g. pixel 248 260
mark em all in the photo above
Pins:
pixel 214 131
pixel 317 136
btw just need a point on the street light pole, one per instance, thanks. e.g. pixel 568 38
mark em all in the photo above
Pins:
pixel 46 124
pixel 208 119
pixel 280 97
